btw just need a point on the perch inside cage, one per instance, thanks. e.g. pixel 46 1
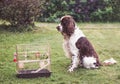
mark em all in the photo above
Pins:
pixel 32 60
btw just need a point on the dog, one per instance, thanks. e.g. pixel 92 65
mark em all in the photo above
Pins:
pixel 76 46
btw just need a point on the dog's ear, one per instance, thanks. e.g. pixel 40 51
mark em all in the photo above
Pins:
pixel 71 26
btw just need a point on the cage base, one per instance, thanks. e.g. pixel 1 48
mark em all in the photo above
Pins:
pixel 29 74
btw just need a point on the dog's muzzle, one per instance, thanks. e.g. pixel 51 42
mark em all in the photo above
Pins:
pixel 58 28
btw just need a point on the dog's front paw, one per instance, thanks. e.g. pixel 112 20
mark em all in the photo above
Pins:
pixel 70 70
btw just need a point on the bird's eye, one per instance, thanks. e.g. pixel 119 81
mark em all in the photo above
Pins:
pixel 94 63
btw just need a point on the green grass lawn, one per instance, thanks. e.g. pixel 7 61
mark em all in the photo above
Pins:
pixel 105 40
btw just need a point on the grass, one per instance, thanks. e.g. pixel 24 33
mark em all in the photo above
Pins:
pixel 105 41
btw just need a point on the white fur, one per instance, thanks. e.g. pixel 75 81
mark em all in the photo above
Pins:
pixel 61 29
pixel 88 62
pixel 110 61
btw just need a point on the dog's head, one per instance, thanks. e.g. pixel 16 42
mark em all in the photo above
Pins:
pixel 67 25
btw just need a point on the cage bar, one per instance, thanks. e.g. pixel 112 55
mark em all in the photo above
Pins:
pixel 33 60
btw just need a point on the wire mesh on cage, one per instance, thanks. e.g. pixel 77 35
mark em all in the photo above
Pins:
pixel 32 60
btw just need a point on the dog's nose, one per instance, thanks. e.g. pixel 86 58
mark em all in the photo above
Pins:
pixel 58 28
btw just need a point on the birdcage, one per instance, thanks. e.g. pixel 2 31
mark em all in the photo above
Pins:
pixel 32 60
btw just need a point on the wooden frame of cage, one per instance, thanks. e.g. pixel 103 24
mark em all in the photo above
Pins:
pixel 40 72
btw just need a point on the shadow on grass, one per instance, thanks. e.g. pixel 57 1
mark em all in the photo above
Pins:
pixel 4 27
pixel 9 28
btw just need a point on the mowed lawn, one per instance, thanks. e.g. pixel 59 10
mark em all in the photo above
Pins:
pixel 105 37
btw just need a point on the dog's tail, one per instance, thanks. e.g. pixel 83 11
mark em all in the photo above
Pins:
pixel 108 62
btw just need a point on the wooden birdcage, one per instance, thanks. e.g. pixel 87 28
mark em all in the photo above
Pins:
pixel 32 60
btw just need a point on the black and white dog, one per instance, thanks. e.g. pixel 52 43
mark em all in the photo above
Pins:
pixel 76 45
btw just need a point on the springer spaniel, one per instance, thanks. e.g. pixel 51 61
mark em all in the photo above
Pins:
pixel 76 45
